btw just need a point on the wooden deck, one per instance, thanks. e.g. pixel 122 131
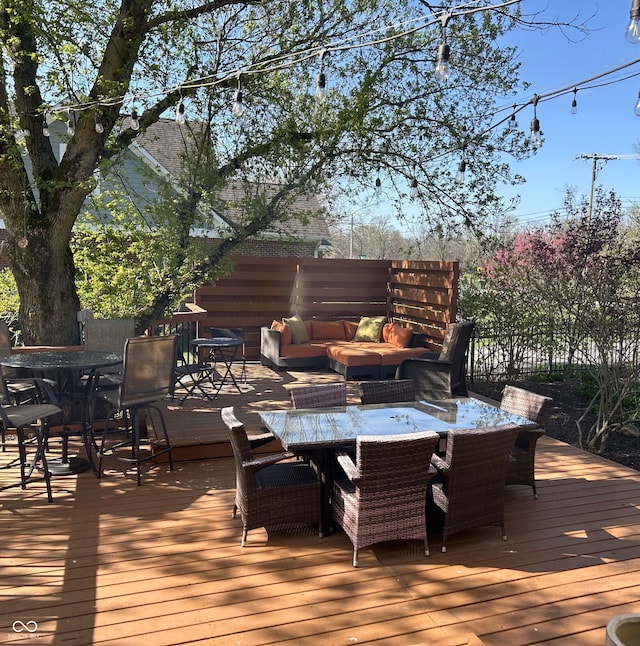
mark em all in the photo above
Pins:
pixel 112 563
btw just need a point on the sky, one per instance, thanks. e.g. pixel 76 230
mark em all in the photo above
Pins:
pixel 605 123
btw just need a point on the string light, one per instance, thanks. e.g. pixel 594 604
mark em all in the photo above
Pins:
pixel 237 109
pixel 574 102
pixel 513 122
pixel 321 80
pixel 45 126
pixel 444 51
pixel 180 113
pixel 462 167
pixel 535 125
pixel 358 42
pixel 71 123
pixel 99 128
pixel 636 110
pixel 413 185
pixel 633 28
pixel 134 120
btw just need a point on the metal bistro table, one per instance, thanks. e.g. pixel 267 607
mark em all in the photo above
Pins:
pixel 221 348
pixel 67 368
pixel 318 432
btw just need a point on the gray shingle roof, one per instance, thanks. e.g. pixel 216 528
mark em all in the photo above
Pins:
pixel 166 143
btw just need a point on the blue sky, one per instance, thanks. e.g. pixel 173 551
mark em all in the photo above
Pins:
pixel 605 123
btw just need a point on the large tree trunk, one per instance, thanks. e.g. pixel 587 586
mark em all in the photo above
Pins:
pixel 45 276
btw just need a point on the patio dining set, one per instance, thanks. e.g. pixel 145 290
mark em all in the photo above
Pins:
pixel 415 445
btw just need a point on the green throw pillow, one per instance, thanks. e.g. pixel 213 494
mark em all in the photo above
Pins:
pixel 369 328
pixel 298 330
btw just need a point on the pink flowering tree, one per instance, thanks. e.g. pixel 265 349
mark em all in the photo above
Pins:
pixel 581 277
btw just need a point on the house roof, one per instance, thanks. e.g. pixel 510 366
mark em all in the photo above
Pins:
pixel 163 146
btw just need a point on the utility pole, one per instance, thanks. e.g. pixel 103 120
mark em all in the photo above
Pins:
pixel 595 158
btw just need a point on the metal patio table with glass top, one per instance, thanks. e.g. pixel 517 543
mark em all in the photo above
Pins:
pixel 66 368
pixel 318 432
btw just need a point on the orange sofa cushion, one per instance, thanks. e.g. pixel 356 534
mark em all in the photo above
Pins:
pixel 390 354
pixel 358 354
pixel 350 329
pixel 327 330
pixel 303 350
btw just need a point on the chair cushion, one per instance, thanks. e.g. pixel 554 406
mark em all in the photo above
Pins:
pixel 298 330
pixel 369 328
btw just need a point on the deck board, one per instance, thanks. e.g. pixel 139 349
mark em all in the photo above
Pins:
pixel 112 563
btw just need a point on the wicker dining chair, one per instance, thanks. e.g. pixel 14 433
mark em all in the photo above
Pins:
pixel 272 489
pixel 381 497
pixel 387 391
pixel 319 396
pixel 469 487
pixel 535 407
pixel 441 375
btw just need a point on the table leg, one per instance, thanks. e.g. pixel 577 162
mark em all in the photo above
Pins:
pixel 227 360
pixel 323 459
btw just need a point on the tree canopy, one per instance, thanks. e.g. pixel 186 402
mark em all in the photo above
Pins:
pixel 111 69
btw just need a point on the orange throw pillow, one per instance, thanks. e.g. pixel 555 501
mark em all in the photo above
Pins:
pixel 397 335
pixel 285 332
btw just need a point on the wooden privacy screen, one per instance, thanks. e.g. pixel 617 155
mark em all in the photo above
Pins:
pixel 421 295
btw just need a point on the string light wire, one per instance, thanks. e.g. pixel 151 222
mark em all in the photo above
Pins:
pixel 291 59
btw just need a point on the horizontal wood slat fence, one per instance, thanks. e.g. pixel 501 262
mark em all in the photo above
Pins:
pixel 420 294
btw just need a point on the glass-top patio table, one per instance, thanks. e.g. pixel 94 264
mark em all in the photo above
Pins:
pixel 318 432
pixel 67 367
pixel 333 427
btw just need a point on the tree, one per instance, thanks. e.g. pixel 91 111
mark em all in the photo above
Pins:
pixel 580 277
pixel 112 69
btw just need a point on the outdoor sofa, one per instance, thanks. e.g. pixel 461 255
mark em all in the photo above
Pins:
pixel 370 347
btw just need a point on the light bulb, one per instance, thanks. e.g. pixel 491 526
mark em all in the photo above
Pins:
pixel 71 129
pixel 574 103
pixel 442 64
pixel 633 31
pixel 237 109
pixel 180 113
pixel 633 28
pixel 414 188
pixel 321 87
pixel 378 188
pixel 134 120
pixel 513 123
pixel 26 132
pixel 45 128
pixel 636 110
pixel 462 167
pixel 535 132
pixel 98 125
